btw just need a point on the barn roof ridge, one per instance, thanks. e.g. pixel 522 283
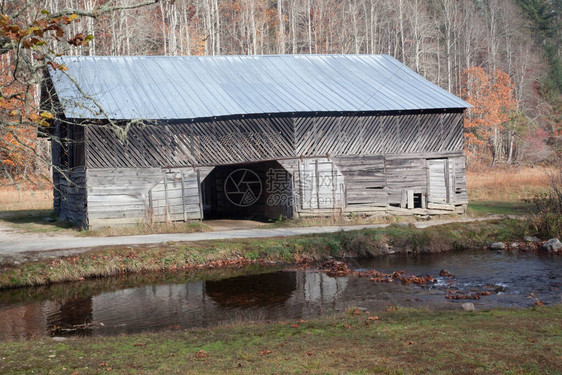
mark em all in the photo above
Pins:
pixel 193 87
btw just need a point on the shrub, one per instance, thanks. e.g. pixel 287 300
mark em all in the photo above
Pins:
pixel 547 221
pixel 362 245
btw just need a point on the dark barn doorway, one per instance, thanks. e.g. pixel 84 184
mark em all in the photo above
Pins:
pixel 252 191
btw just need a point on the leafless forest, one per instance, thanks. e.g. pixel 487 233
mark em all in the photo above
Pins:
pixel 497 54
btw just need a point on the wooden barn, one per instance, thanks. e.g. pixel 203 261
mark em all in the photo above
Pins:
pixel 257 137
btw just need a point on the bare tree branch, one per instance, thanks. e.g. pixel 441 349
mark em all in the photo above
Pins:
pixel 102 9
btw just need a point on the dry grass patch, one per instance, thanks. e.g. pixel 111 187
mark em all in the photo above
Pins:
pixel 12 199
pixel 148 228
pixel 506 184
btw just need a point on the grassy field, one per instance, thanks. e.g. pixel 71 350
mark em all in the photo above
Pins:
pixel 506 184
pixel 12 199
pixel 178 256
pixel 400 341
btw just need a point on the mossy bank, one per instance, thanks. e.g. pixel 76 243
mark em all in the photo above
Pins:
pixel 109 261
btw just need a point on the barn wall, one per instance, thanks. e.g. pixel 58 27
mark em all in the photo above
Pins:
pixel 70 196
pixel 382 181
pixel 377 135
pixel 132 195
pixel 218 142
pixel 376 184
pixel 374 162
pixel 223 142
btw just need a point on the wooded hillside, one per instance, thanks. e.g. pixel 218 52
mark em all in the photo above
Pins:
pixel 503 56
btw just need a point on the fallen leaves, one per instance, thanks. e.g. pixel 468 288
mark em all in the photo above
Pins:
pixel 453 294
pixel 265 352
pixel 201 354
pixel 335 268
pixel 105 366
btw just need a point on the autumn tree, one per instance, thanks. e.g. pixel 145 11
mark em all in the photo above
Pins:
pixel 31 38
pixel 494 107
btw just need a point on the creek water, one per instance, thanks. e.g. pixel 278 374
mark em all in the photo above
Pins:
pixel 159 301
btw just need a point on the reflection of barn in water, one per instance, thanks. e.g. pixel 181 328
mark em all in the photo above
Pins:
pixel 269 296
pixel 324 134
pixel 263 290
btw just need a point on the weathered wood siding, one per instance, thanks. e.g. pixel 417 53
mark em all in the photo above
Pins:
pixel 345 163
pixel 131 195
pixel 223 142
pixel 380 134
pixel 218 142
pixel 385 180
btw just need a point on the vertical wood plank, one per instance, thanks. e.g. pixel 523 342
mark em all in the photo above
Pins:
pixel 410 194
pixel 200 194
pixel 317 184
pixel 334 186
pixel 447 182
pixel 183 197
pixel 403 198
pixel 151 206
pixel 167 211
pixel 428 192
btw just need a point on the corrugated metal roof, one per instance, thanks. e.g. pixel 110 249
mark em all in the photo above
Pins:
pixel 188 87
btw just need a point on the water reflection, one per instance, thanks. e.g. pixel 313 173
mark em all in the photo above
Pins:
pixel 253 291
pixel 164 301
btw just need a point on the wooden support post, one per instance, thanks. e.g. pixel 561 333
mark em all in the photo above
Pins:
pixel 294 194
pixel 334 185
pixel 403 198
pixel 447 181
pixel 453 180
pixel 183 197
pixel 199 191
pixel 301 186
pixel 427 176
pixel 317 184
pixel 167 212
pixel 151 206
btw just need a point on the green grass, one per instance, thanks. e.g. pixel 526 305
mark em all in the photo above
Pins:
pixel 36 221
pixel 179 256
pixel 45 221
pixel 406 341
pixel 482 208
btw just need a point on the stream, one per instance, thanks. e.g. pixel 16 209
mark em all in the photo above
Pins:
pixel 160 301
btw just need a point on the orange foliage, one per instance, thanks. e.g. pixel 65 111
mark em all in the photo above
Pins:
pixel 493 101
pixel 19 116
